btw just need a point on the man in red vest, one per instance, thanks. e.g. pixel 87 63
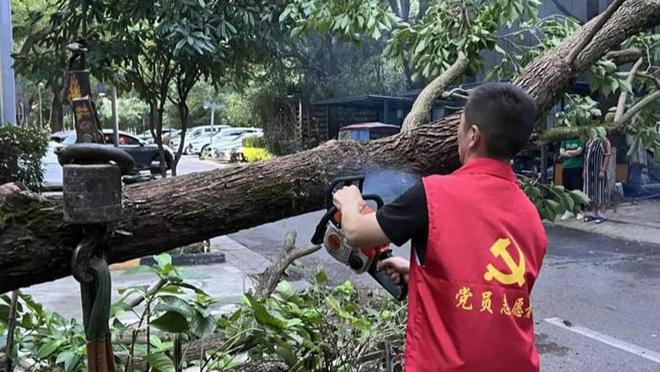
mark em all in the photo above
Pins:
pixel 477 245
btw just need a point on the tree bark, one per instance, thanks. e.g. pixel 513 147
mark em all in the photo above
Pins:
pixel 56 113
pixel 36 244
pixel 621 57
pixel 424 102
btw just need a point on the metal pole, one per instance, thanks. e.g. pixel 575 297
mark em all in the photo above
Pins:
pixel 41 112
pixel 115 119
pixel 212 121
pixel 7 82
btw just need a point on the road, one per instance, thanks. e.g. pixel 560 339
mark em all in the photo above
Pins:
pixel 605 288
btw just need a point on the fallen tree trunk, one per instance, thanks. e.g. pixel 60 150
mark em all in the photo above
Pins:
pixel 36 244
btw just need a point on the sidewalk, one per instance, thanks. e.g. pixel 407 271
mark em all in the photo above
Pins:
pixel 225 281
pixel 635 221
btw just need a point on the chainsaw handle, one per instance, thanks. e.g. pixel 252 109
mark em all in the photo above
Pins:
pixel 343 181
pixel 329 215
pixel 397 290
pixel 317 238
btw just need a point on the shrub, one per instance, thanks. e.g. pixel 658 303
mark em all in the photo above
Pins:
pixel 254 141
pixel 21 151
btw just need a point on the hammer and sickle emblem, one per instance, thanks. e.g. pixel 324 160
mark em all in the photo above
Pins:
pixel 517 275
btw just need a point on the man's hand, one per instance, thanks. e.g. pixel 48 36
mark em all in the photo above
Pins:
pixel 359 229
pixel 348 196
pixel 602 173
pixel 396 268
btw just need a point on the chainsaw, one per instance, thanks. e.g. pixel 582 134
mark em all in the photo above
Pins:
pixel 359 259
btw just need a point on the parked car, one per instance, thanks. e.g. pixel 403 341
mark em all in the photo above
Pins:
pixel 227 134
pixel 148 138
pixel 144 154
pixel 230 148
pixel 367 131
pixel 51 167
pixel 195 133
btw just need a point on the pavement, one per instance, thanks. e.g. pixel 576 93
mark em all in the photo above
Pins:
pixel 636 220
pixel 596 301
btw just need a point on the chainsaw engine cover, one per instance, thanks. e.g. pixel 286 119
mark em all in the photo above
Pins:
pixel 336 245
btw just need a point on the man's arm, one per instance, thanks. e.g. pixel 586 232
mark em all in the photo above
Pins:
pixel 607 152
pixel 359 229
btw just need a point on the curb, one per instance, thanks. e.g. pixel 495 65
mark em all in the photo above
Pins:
pixel 189 259
pixel 618 229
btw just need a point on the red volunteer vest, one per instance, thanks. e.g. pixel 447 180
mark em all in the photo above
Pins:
pixel 469 306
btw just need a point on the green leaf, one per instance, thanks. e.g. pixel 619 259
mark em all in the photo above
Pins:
pixel 202 326
pixel 262 315
pixel 160 363
pixel 48 348
pixel 579 197
pixel 569 202
pixel 554 206
pixel 286 352
pixel 320 277
pixel 171 321
pixel 625 86
pixel 4 313
pixel 361 324
pixel 70 359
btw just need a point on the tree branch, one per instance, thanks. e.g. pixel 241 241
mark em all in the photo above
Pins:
pixel 621 57
pixel 570 59
pixel 268 279
pixel 424 102
pixel 621 104
pixel 634 110
pixel 562 133
pixel 650 77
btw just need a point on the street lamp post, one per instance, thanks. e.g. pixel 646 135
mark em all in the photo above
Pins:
pixel 41 110
pixel 7 82
pixel 211 105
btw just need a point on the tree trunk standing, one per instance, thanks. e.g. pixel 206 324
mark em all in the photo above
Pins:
pixel 184 116
pixel 56 112
pixel 168 213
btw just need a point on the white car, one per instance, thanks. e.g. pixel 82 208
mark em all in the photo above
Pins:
pixel 232 148
pixel 194 134
pixel 52 168
pixel 204 146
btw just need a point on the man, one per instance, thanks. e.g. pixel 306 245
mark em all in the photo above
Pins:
pixel 478 244
pixel 570 151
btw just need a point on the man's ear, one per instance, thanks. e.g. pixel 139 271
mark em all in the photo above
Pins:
pixel 474 137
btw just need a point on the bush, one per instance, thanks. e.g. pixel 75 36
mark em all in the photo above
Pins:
pixel 21 151
pixel 254 141
pixel 319 328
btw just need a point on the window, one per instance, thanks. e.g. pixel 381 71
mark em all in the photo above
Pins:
pixel 128 140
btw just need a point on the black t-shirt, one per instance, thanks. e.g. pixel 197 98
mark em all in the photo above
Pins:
pixel 407 219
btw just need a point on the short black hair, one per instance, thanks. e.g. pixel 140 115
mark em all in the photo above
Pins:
pixel 505 114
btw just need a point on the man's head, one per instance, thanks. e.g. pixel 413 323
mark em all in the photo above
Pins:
pixel 497 122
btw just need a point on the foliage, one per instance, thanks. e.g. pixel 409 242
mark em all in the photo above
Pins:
pixel 21 151
pixel 55 343
pixel 254 149
pixel 130 113
pixel 579 111
pixel 552 200
pixel 431 45
pixel 348 19
pixel 253 154
pixel 320 328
